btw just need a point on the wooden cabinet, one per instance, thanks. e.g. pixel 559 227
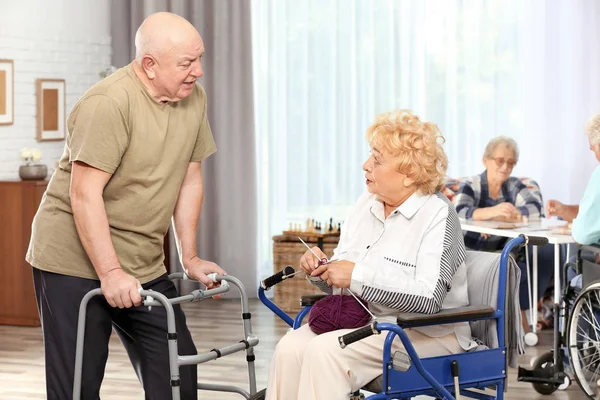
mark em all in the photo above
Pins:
pixel 19 201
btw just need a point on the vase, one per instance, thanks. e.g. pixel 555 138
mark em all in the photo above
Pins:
pixel 33 172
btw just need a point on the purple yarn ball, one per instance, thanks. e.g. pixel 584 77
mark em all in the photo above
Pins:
pixel 337 312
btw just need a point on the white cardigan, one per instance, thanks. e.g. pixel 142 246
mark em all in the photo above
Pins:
pixel 413 261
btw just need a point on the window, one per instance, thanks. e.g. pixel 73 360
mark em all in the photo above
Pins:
pixel 323 69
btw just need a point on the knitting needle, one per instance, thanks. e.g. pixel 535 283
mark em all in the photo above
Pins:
pixel 362 305
pixel 321 260
pixel 290 275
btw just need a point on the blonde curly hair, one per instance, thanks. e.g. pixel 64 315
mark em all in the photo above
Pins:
pixel 415 145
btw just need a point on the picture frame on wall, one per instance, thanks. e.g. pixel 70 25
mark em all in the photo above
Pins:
pixel 51 106
pixel 7 92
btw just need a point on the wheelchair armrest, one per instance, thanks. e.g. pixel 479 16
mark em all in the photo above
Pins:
pixel 594 248
pixel 311 299
pixel 447 316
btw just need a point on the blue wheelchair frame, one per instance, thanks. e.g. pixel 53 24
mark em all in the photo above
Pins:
pixel 432 376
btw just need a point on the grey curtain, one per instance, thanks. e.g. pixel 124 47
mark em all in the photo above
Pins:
pixel 227 229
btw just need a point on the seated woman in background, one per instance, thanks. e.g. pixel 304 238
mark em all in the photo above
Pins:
pixel 401 249
pixel 495 195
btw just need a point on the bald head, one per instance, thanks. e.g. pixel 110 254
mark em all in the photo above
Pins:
pixel 168 58
pixel 162 33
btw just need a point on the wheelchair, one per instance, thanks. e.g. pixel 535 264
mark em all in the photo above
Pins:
pixel 576 349
pixel 156 299
pixel 404 374
pixel 583 329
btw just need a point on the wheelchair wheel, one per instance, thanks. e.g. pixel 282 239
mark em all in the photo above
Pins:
pixel 583 340
pixel 546 362
pixel 259 395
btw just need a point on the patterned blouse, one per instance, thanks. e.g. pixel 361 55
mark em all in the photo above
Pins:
pixel 474 193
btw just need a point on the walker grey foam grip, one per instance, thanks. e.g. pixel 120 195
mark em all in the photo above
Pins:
pixel 147 300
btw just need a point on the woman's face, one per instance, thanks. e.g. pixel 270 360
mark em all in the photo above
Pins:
pixel 384 180
pixel 500 165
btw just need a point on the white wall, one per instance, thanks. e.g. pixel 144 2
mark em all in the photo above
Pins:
pixel 59 39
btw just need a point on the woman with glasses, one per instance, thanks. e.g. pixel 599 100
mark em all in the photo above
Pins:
pixel 494 195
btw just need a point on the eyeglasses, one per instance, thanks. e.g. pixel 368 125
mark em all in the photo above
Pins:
pixel 501 161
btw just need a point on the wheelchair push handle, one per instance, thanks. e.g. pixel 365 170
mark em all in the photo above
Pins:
pixel 278 277
pixel 358 334
pixel 535 240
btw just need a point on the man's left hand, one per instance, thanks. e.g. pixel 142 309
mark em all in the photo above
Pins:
pixel 338 273
pixel 198 269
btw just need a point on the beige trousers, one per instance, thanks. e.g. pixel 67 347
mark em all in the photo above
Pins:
pixel 308 366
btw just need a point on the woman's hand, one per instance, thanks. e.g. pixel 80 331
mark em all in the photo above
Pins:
pixel 338 273
pixel 505 212
pixel 555 208
pixel 308 262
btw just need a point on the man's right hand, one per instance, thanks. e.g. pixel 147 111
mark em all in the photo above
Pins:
pixel 120 289
pixel 308 262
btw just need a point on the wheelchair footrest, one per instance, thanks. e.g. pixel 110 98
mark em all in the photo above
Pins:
pixel 539 375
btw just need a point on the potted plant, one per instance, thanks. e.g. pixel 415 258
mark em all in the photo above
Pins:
pixel 31 170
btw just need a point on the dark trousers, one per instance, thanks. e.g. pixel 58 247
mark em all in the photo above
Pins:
pixel 142 332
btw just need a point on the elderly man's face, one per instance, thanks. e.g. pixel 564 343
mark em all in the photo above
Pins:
pixel 500 165
pixel 383 179
pixel 179 68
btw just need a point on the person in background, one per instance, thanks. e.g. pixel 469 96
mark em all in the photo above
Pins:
pixel 585 217
pixel 495 195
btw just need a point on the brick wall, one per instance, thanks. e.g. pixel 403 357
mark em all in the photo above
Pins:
pixel 66 39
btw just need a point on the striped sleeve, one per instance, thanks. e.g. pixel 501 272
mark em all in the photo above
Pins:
pixel 465 200
pixel 441 252
pixel 528 203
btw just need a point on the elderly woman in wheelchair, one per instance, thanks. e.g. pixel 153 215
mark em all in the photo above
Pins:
pixel 401 249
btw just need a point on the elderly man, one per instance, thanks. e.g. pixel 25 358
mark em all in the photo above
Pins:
pixel 585 217
pixel 132 161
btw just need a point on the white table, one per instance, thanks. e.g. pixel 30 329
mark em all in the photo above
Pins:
pixel 541 228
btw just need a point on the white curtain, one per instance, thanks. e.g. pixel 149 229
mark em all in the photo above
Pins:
pixel 323 69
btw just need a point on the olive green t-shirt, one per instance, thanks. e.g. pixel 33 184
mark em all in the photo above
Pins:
pixel 117 127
